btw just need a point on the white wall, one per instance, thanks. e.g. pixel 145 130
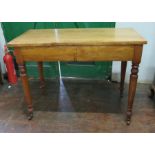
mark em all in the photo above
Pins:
pixel 2 43
pixel 147 66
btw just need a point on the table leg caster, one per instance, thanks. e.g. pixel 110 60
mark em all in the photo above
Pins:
pixel 42 85
pixel 128 118
pixel 151 92
pixel 128 122
pixel 30 116
pixel 121 95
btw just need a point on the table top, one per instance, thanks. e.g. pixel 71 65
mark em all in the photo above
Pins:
pixel 80 36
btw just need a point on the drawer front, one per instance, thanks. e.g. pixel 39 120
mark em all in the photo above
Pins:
pixel 65 53
pixel 105 53
pixel 77 53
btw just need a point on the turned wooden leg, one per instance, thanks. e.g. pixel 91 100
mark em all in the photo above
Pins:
pixel 41 75
pixel 132 90
pixel 123 71
pixel 26 90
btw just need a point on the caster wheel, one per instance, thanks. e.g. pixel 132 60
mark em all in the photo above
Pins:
pixel 30 116
pixel 128 122
pixel 121 95
pixel 42 85
pixel 151 93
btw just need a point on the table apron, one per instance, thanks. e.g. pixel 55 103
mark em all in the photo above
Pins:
pixel 76 53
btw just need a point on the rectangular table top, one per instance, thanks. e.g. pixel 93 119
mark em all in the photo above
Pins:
pixel 80 36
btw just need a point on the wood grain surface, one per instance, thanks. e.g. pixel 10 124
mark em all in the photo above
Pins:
pixel 90 36
pixel 102 44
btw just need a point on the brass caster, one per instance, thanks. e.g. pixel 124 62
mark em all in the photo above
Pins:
pixel 128 118
pixel 42 85
pixel 121 95
pixel 128 122
pixel 151 93
pixel 30 115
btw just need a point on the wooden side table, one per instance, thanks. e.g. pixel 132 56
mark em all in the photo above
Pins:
pixel 102 44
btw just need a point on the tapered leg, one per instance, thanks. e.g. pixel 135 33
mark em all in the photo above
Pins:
pixel 132 90
pixel 123 71
pixel 41 75
pixel 26 90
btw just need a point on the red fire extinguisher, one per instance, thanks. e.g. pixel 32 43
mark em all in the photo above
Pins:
pixel 8 60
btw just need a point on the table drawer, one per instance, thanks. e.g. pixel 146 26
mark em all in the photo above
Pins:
pixel 104 53
pixel 56 53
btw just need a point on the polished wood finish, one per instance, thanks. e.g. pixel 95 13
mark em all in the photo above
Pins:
pixel 133 80
pixel 54 53
pixel 89 36
pixel 41 74
pixel 104 53
pixel 123 71
pixel 77 53
pixel 81 45
pixel 26 89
